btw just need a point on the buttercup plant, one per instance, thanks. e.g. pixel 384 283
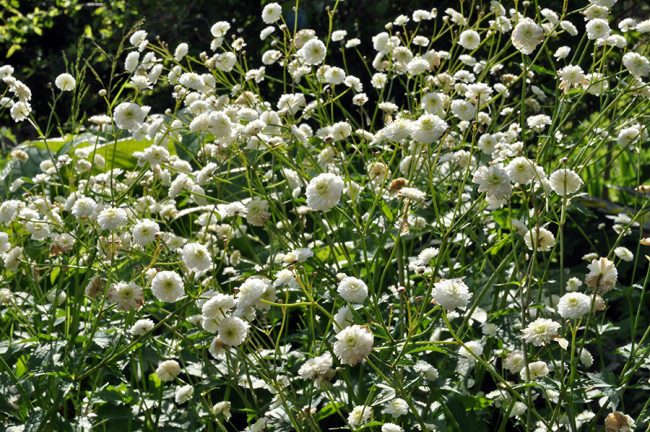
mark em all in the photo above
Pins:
pixel 288 246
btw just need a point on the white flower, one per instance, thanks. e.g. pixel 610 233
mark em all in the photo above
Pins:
pixel 168 370
pixel 535 370
pixel 316 367
pixel 586 358
pixel 540 239
pixel 638 65
pixel 312 52
pixel 391 427
pixel 126 295
pixel 359 415
pixel 144 232
pixel 353 344
pixel 565 181
pixel 538 122
pixel 271 13
pixel 219 29
pixel 353 290
pixel 428 128
pixel 196 257
pixel 112 218
pixel 141 327
pixel 324 191
pixel 13 258
pixel 167 286
pixel 527 35
pixel 541 331
pixel 574 305
pixel 183 394
pixel 602 275
pixel 343 318
pixel 624 253
pixel 396 407
pixel 469 39
pixel 515 361
pixel 597 29
pixel 463 109
pixel 222 408
pixel 429 372
pixel 129 116
pixel 65 82
pixel 521 170
pixel 451 293
pixel 181 51
pixel 215 309
pixel 494 181
pixel 233 331
pixel 20 111
pixel 250 292
pixel 131 62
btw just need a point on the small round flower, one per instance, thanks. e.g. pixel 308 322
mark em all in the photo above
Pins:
pixel 638 65
pixel 126 295
pixel 196 257
pixel 271 13
pixel 65 82
pixel 353 344
pixel 168 370
pixel 541 331
pixel 222 408
pixel 353 290
pixel 144 232
pixel 359 415
pixel 257 212
pixel 521 170
pixel 586 358
pixel 324 191
pixel 469 39
pixel 539 238
pixel 141 327
pixel 515 361
pixel 396 407
pixel 313 52
pixel 535 370
pixel 428 128
pixel 128 115
pixel 624 253
pixel 316 367
pixel 391 427
pixel 83 207
pixel 602 275
pixel 112 218
pixel 451 294
pixel 574 305
pixel 167 286
pixel 183 394
pixel 233 331
pixel 494 181
pixel 565 182
pixel 527 35
pixel 597 29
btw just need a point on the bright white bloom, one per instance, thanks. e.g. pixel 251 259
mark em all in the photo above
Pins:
pixel 141 327
pixel 324 191
pixel 271 13
pixel 250 292
pixel 129 116
pixel 196 257
pixel 597 29
pixel 316 367
pixel 540 239
pixel 313 52
pixel 183 394
pixel 359 415
pixel 233 331
pixel 469 39
pixel 391 427
pixel 181 51
pixel 521 170
pixel 144 232
pixel 429 372
pixel 574 305
pixel 65 82
pixel 126 295
pixel 515 361
pixel 353 344
pixel 565 181
pixel 257 212
pixel 586 358
pixel 463 109
pixel 428 128
pixel 638 65
pixel 396 407
pixel 494 181
pixel 353 290
pixel 535 370
pixel 112 218
pixel 541 331
pixel 624 253
pixel 538 122
pixel 451 293
pixel 168 370
pixel 343 318
pixel 167 286
pixel 602 275
pixel 527 35
pixel 215 309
